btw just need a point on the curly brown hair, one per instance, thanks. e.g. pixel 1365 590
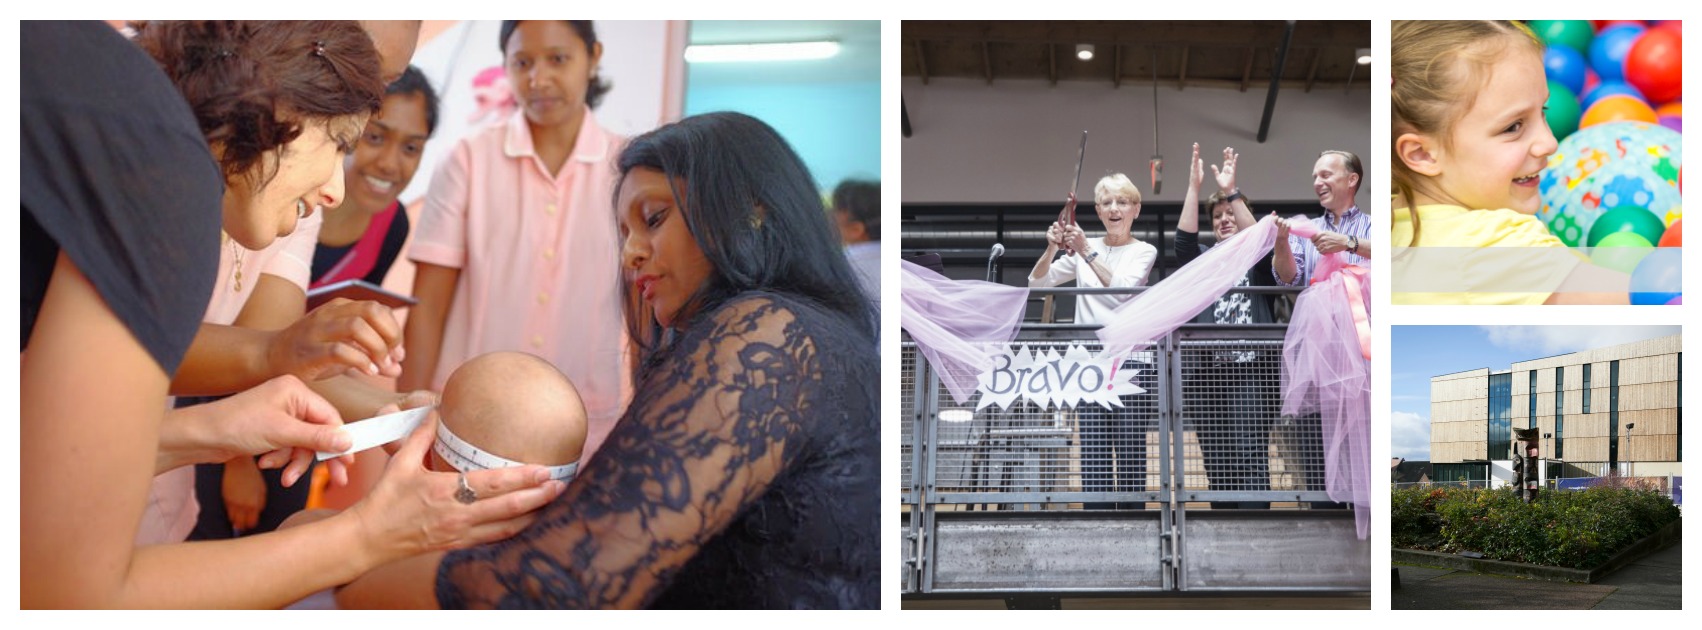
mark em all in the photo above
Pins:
pixel 254 85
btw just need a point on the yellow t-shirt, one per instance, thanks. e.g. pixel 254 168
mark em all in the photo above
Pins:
pixel 1476 257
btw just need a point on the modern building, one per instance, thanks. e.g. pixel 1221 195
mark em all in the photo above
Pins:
pixel 1617 408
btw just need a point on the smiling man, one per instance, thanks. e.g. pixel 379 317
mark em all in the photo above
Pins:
pixel 1335 178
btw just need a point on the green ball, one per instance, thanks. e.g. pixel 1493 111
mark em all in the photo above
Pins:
pixel 1563 112
pixel 1565 227
pixel 1627 219
pixel 1621 251
pixel 1574 34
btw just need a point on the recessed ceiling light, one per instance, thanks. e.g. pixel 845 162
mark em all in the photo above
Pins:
pixel 1084 52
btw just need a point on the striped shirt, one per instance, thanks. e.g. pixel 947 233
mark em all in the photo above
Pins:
pixel 1353 223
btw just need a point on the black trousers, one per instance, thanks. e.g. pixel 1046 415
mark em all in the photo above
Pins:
pixel 1113 442
pixel 1236 403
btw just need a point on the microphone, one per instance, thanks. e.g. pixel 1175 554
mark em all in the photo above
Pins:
pixel 998 250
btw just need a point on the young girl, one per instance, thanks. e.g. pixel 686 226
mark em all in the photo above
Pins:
pixel 1470 143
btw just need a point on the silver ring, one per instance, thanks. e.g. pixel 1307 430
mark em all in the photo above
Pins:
pixel 464 493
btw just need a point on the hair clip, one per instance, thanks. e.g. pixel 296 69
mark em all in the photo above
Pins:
pixel 319 48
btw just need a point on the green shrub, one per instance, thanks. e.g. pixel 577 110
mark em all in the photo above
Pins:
pixel 1575 529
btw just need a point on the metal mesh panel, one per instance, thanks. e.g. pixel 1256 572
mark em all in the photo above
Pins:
pixel 1041 453
pixel 1238 451
pixel 907 402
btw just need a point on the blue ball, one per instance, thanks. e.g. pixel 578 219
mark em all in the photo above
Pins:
pixel 1565 66
pixel 1608 50
pixel 1609 88
pixel 1659 277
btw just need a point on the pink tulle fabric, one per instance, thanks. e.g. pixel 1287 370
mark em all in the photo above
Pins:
pixel 1174 301
pixel 1325 371
pixel 952 321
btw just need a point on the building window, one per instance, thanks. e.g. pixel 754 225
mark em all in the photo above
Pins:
pixel 1586 388
pixel 1559 404
pixel 1500 416
pixel 1533 396
pixel 1613 416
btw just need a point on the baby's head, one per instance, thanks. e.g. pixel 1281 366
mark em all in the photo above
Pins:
pixel 1466 113
pixel 515 406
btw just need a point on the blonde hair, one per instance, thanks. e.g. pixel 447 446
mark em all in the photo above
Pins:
pixel 1113 184
pixel 1437 68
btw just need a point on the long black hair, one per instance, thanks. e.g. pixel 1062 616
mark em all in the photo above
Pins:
pixel 754 210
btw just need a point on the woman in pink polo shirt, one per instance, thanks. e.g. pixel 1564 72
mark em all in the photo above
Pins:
pixel 516 247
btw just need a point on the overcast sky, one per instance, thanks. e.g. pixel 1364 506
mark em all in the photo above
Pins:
pixel 1421 352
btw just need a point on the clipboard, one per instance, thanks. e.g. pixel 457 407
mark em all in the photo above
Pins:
pixel 358 290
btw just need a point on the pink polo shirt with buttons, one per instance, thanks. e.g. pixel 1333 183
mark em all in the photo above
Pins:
pixel 539 260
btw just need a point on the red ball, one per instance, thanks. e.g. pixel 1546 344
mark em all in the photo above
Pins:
pixel 1655 65
pixel 1674 236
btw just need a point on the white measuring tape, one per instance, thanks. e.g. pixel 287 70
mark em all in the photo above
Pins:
pixel 459 453
pixel 467 458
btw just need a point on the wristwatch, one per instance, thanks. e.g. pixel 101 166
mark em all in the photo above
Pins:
pixel 1235 194
pixel 1089 258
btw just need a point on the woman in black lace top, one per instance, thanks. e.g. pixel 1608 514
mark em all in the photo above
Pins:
pixel 745 473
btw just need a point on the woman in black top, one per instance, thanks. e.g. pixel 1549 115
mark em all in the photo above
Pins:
pixel 1234 391
pixel 122 194
pixel 745 473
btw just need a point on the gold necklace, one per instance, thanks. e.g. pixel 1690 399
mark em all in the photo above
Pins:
pixel 236 253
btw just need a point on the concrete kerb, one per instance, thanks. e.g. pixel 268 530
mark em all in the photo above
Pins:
pixel 1668 535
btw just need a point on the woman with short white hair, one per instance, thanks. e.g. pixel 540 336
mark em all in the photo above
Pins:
pixel 1113 441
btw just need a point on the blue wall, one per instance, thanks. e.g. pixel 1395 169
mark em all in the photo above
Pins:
pixel 835 127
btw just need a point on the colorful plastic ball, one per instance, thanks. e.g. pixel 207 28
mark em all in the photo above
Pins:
pixel 1606 89
pixel 1590 82
pixel 1565 66
pixel 1621 251
pixel 1670 25
pixel 1631 219
pixel 1561 110
pixel 1674 109
pixel 1574 34
pixel 1655 65
pixel 1617 108
pixel 1608 166
pixel 1671 122
pixel 1610 47
pixel 1658 278
pixel 1674 236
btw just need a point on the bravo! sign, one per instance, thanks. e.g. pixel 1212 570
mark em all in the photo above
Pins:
pixel 1046 379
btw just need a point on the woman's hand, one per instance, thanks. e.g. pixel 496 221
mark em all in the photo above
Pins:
pixel 1196 170
pixel 244 491
pixel 339 336
pixel 1075 239
pixel 414 510
pixel 1226 175
pixel 281 420
pixel 1282 228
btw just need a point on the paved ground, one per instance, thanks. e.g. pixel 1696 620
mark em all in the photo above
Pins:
pixel 1653 583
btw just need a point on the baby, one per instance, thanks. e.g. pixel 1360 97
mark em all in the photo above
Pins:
pixel 506 409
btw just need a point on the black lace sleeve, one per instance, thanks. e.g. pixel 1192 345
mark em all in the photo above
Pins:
pixel 710 429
